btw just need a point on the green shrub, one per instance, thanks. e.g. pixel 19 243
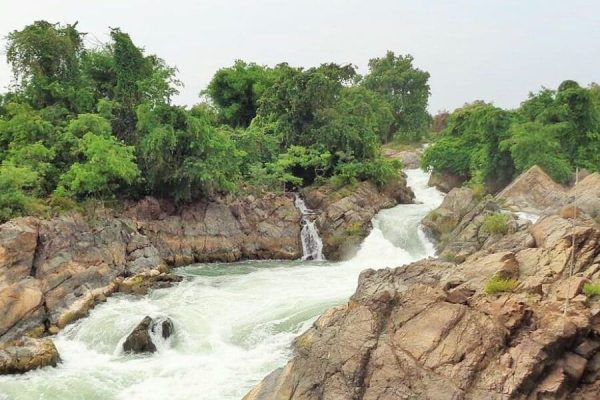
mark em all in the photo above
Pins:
pixel 591 289
pixel 495 224
pixel 497 284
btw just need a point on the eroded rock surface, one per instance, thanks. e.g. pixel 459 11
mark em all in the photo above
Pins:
pixel 223 230
pixel 429 330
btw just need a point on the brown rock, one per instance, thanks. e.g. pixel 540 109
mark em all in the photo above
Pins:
pixel 25 354
pixel 534 191
pixel 427 330
pixel 445 181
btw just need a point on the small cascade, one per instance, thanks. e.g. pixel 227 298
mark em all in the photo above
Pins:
pixel 312 246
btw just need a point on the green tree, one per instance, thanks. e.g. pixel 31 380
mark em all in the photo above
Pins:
pixel 533 143
pixel 184 156
pixel 16 187
pixel 236 90
pixel 108 164
pixel 470 146
pixel 406 89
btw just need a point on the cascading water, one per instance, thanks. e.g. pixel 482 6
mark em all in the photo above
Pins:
pixel 233 322
pixel 312 246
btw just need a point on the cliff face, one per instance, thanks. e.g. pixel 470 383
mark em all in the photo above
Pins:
pixel 345 215
pixel 225 230
pixel 431 330
pixel 53 271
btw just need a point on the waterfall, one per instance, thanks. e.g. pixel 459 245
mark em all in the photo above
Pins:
pixel 312 246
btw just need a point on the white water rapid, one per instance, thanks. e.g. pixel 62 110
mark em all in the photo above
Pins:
pixel 312 246
pixel 234 323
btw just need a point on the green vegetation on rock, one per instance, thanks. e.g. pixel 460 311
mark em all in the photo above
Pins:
pixel 591 289
pixel 495 224
pixel 497 284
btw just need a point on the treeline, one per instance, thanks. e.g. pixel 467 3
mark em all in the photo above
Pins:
pixel 559 130
pixel 82 123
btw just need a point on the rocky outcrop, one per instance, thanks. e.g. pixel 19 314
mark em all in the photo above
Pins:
pixel 345 214
pixel 586 195
pixel 445 181
pixel 140 339
pixel 224 230
pixel 409 159
pixel 53 271
pixel 533 191
pixel 444 219
pixel 25 354
pixel 440 330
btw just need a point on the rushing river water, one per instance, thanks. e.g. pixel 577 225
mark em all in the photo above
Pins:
pixel 234 322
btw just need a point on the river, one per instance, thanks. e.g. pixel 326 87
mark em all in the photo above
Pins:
pixel 234 322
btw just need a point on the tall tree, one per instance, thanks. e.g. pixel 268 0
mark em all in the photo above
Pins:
pixel 406 89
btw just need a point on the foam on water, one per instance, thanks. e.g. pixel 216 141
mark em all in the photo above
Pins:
pixel 234 323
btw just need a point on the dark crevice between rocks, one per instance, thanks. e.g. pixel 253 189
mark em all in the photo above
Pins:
pixel 36 254
pixel 382 325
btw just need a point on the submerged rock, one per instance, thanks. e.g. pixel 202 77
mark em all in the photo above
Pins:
pixel 25 354
pixel 140 339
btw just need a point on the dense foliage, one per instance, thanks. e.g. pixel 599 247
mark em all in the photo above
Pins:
pixel 83 123
pixel 559 130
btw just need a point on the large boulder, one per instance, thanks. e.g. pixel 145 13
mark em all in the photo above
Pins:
pixel 445 181
pixel 533 191
pixel 345 214
pixel 25 354
pixel 140 339
pixel 454 207
pixel 409 159
pixel 586 195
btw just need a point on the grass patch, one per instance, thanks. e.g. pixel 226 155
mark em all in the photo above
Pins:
pixel 497 284
pixel 354 229
pixel 495 223
pixel 591 289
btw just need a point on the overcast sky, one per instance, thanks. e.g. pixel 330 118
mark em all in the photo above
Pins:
pixel 495 50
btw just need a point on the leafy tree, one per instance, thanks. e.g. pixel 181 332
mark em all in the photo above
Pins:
pixel 533 143
pixel 236 90
pixel 16 187
pixel 108 165
pixel 138 79
pixel 45 62
pixel 470 145
pixel 406 89
pixel 354 124
pixel 184 155
pixel 297 99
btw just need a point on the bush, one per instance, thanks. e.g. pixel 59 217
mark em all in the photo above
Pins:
pixel 591 289
pixel 497 284
pixel 495 224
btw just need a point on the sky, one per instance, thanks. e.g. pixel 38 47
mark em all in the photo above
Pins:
pixel 492 50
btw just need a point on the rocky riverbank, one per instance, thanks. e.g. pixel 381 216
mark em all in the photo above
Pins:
pixel 488 321
pixel 52 272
